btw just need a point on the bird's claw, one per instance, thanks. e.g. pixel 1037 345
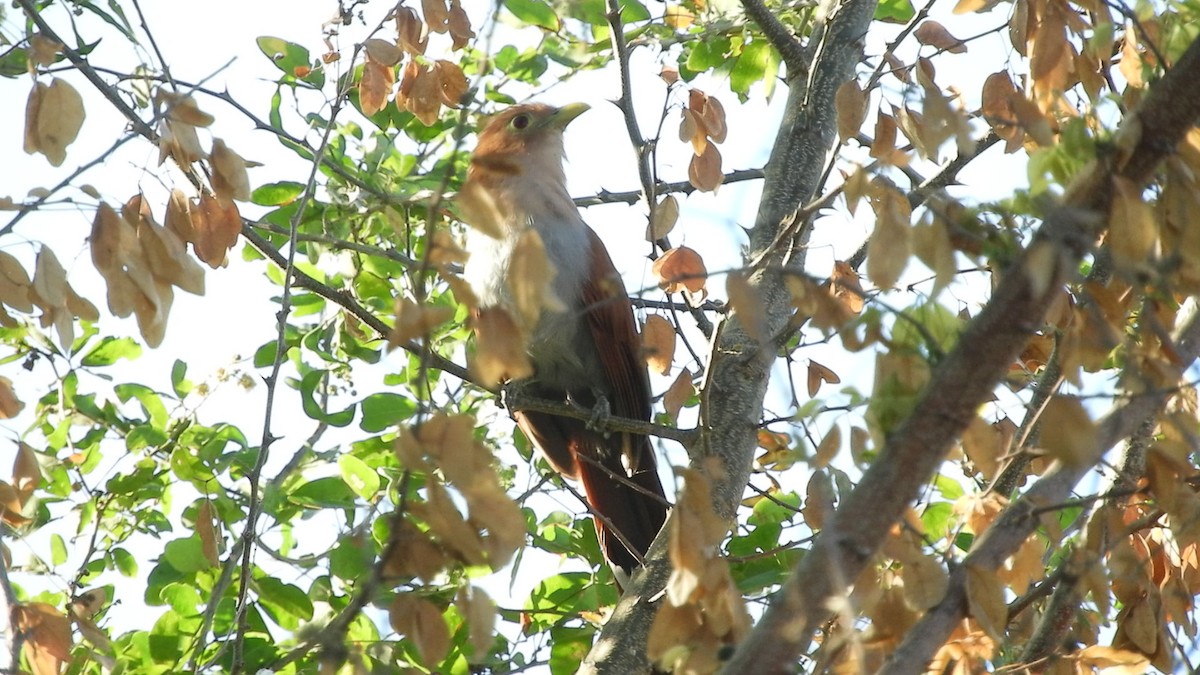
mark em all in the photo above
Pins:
pixel 509 395
pixel 600 412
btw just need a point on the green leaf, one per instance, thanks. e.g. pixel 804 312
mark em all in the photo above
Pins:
pixel 308 387
pixel 152 405
pixel 179 381
pixel 288 57
pixel 360 477
pixel 277 194
pixel 568 647
pixel 894 11
pixel 125 563
pixel 380 411
pixel 58 550
pixel 758 62
pixel 112 349
pixel 280 599
pixel 349 559
pixel 772 512
pixel 186 555
pixel 534 13
pixel 328 492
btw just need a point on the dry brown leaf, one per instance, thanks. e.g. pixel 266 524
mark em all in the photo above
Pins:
pixel 1112 661
pixel 818 500
pixel 15 284
pixel 828 448
pixel 420 92
pixel 1133 227
pixel 883 146
pixel 47 634
pixel 984 446
pixel 10 405
pixel 1068 433
pixel 412 34
pixel 43 51
pixel 179 216
pixel 26 473
pixel 375 87
pixel 935 35
pixel 678 393
pixel 746 303
pixel 1025 566
pixel 691 130
pixel 658 344
pixel 479 611
pixel 925 582
pixel 416 321
pixel 499 348
pixel 32 105
pixel 459 25
pixel 415 554
pixel 452 81
pixel 985 597
pixel 436 15
pixel 10 505
pixel 421 622
pixel 711 114
pixel 216 225
pixel 997 109
pixel 891 242
pixel 207 530
pixel 847 287
pixel 88 603
pixel 851 104
pixel 531 279
pixel 229 179
pixel 704 171
pixel 60 116
pixel 383 52
pixel 167 257
pixel 931 243
pixel 817 374
pixel 680 268
pixel 663 220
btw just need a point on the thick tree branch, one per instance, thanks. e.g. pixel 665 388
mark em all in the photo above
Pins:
pixel 789 46
pixel 1020 519
pixel 739 368
pixel 966 378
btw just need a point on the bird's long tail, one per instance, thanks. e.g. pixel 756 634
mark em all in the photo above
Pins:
pixel 632 503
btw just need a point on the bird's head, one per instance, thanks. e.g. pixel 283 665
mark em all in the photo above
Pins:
pixel 524 138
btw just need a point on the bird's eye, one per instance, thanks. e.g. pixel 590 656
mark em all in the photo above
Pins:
pixel 520 122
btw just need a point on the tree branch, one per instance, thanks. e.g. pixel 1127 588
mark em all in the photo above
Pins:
pixel 790 48
pixel 966 378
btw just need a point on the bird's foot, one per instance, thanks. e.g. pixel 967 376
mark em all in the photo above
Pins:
pixel 510 395
pixel 600 412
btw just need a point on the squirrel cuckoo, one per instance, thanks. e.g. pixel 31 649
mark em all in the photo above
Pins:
pixel 589 353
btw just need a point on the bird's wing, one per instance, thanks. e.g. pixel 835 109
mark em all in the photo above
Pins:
pixel 606 305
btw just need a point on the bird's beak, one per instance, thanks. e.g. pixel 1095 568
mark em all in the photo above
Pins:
pixel 563 116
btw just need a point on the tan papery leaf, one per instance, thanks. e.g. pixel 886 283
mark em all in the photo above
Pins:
pixel 851 104
pixel 421 622
pixel 658 343
pixel 935 35
pixel 663 220
pixel 680 268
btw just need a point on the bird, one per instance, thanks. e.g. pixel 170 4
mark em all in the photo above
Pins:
pixel 583 346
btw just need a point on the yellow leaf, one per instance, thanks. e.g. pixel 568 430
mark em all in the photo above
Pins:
pixel 925 582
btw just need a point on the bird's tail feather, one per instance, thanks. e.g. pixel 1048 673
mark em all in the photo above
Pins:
pixel 634 506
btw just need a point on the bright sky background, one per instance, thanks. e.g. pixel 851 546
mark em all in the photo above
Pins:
pixel 236 315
